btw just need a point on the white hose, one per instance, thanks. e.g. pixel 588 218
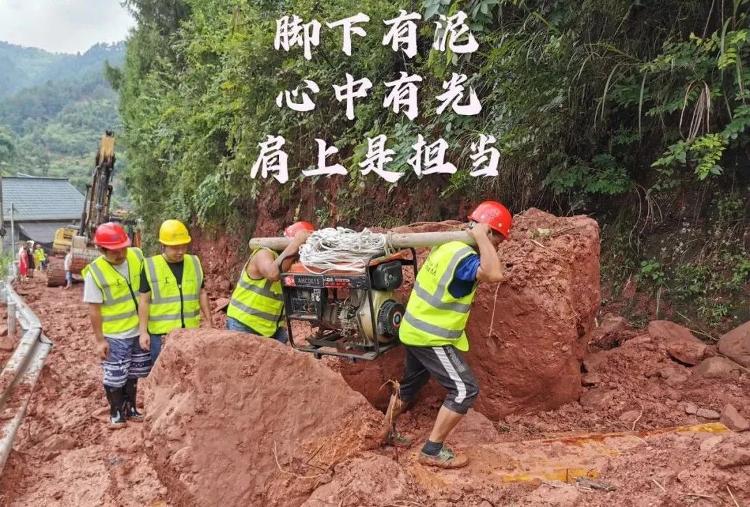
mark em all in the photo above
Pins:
pixel 342 249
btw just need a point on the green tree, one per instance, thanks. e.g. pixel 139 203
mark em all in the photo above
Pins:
pixel 589 101
pixel 7 146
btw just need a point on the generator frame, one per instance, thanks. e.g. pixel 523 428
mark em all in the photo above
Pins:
pixel 326 342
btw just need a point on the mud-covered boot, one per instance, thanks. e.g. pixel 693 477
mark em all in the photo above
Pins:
pixel 389 434
pixel 131 394
pixel 116 398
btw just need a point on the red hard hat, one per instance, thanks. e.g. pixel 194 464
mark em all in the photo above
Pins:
pixel 296 227
pixel 493 214
pixel 111 236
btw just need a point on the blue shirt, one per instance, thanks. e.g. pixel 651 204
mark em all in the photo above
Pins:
pixel 465 277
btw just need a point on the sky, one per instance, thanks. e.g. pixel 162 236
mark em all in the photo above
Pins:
pixel 63 26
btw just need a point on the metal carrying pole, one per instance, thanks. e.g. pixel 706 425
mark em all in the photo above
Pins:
pixel 402 240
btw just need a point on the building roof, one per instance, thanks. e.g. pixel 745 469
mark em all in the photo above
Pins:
pixel 41 232
pixel 41 199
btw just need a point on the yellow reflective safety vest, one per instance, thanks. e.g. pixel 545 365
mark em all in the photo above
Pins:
pixel 119 309
pixel 258 304
pixel 173 305
pixel 434 317
pixel 39 256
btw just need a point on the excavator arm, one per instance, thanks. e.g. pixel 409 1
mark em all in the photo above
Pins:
pixel 96 211
pixel 99 191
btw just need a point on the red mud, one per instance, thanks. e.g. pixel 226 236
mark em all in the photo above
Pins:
pixel 226 406
pixel 218 401
pixel 222 262
pixel 63 453
pixel 7 344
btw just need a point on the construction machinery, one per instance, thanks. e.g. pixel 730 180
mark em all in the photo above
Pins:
pixel 353 314
pixel 95 212
pixel 63 239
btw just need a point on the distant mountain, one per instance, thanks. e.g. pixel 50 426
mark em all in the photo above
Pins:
pixel 57 106
pixel 22 67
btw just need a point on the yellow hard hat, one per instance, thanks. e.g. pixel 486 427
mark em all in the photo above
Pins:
pixel 173 233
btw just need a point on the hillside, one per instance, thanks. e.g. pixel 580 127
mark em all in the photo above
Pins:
pixel 55 107
pixel 636 114
pixel 23 67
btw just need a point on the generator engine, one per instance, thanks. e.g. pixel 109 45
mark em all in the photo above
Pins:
pixel 355 315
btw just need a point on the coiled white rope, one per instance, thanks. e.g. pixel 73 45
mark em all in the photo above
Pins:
pixel 342 249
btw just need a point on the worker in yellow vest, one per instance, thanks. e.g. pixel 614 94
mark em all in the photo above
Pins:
pixel 40 258
pixel 257 305
pixel 110 285
pixel 172 289
pixel 432 330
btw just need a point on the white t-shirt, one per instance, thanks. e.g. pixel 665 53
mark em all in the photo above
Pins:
pixel 93 294
pixel 68 261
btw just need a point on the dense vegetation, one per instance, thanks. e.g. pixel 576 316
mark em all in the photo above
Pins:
pixel 636 111
pixel 54 108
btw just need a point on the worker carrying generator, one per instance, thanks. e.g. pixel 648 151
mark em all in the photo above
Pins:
pixel 432 330
pixel 172 289
pixel 257 305
pixel 110 285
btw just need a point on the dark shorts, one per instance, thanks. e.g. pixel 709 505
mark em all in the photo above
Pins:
pixel 449 368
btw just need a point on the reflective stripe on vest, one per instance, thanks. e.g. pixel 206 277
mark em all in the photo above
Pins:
pixel 172 303
pixel 119 309
pixel 433 316
pixel 258 304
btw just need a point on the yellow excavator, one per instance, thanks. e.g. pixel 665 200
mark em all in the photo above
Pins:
pixel 79 240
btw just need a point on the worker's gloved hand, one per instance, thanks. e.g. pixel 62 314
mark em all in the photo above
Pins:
pixel 145 341
pixel 102 349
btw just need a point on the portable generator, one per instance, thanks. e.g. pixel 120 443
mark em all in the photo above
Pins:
pixel 353 314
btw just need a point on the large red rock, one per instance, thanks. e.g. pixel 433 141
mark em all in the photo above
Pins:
pixel 733 420
pixel 736 344
pixel 234 419
pixel 680 343
pixel 524 332
pixel 611 332
pixel 718 367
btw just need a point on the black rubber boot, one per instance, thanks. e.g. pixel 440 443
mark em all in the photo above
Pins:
pixel 131 394
pixel 116 398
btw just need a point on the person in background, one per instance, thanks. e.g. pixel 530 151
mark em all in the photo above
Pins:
pixel 23 263
pixel 40 257
pixel 67 263
pixel 30 255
